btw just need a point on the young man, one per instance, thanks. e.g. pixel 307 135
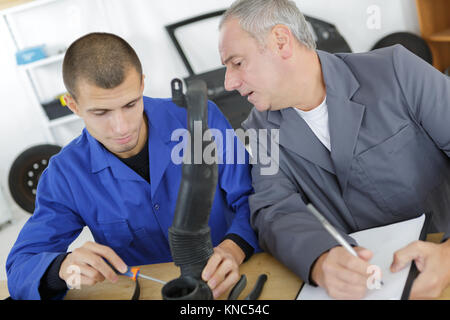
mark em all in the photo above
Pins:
pixel 118 179
pixel 363 137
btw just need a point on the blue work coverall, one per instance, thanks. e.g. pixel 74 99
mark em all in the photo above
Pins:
pixel 86 185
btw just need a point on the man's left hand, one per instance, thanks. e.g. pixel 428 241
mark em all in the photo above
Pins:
pixel 222 270
pixel 433 262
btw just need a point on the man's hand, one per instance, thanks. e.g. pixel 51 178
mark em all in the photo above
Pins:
pixel 341 274
pixel 222 270
pixel 433 262
pixel 89 260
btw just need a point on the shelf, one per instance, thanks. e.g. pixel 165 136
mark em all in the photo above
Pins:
pixel 4 4
pixel 22 5
pixel 63 120
pixel 434 22
pixel 443 36
pixel 42 62
pixel 14 14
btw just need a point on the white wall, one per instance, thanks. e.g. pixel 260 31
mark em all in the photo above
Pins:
pixel 141 23
pixel 351 16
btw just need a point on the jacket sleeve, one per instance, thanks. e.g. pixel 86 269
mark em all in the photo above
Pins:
pixel 47 234
pixel 427 93
pixel 279 214
pixel 234 177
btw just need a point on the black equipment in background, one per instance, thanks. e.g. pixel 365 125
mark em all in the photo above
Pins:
pixel 235 107
pixel 410 41
pixel 327 37
pixel 26 171
pixel 55 110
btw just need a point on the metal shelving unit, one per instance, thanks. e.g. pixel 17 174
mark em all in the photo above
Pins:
pixel 28 71
pixel 47 22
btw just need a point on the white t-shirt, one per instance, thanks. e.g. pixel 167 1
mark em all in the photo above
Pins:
pixel 317 120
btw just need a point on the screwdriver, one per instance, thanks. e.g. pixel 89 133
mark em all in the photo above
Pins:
pixel 135 272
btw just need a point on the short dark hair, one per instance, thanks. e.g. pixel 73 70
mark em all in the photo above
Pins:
pixel 101 59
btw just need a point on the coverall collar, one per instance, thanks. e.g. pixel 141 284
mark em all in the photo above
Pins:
pixel 160 129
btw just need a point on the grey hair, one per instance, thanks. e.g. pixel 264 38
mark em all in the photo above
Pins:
pixel 258 17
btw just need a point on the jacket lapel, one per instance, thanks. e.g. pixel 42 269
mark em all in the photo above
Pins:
pixel 296 135
pixel 101 158
pixel 345 119
pixel 161 124
pixel 159 153
pixel 344 115
pixel 120 170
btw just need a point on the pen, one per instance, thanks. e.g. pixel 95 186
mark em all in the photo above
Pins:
pixel 336 235
pixel 331 230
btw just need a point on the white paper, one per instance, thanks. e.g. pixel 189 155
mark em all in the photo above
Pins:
pixel 383 242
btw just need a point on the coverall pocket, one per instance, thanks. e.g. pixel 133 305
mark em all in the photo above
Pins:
pixel 117 234
pixel 398 169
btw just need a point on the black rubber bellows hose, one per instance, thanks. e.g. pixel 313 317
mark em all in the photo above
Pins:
pixel 189 236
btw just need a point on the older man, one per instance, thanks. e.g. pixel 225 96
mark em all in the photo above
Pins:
pixel 364 137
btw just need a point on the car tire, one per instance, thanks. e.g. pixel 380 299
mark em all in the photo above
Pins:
pixel 26 171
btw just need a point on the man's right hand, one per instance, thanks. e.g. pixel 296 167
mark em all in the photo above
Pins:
pixel 341 274
pixel 88 259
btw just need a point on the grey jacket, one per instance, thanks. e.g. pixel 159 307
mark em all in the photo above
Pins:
pixel 389 121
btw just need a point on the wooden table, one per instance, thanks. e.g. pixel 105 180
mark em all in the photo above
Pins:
pixel 282 284
pixel 3 290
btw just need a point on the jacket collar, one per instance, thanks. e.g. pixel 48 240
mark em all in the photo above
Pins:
pixel 344 116
pixel 161 124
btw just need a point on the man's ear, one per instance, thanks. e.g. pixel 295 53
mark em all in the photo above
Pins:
pixel 142 82
pixel 282 39
pixel 71 103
